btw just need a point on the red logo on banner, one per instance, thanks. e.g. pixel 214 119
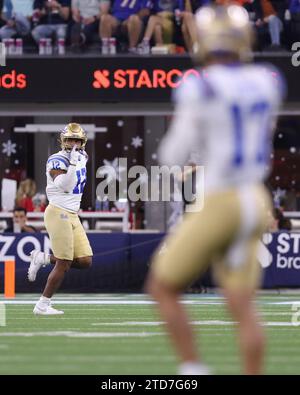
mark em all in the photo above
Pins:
pixel 13 80
pixel 101 79
pixel 136 79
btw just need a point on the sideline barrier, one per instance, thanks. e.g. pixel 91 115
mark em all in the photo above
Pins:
pixel 121 262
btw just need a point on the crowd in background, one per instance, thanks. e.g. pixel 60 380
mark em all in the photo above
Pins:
pixel 136 26
pixel 27 200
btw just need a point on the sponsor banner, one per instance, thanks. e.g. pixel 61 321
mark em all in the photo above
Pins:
pixel 121 261
pixel 109 79
pixel 279 255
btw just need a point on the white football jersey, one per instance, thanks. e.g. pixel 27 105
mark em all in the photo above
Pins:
pixel 66 200
pixel 227 116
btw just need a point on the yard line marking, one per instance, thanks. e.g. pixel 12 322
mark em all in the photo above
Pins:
pixel 282 303
pixel 107 302
pixel 279 323
pixel 203 322
pixel 134 302
pixel 88 358
pixel 116 334
pixel 157 323
pixel 81 334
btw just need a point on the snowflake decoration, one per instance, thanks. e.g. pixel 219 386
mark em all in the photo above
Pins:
pixel 137 142
pixel 154 156
pixel 112 170
pixel 278 194
pixel 125 148
pixel 108 145
pixel 9 148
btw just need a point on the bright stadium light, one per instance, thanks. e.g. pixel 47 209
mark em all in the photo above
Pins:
pixel 50 128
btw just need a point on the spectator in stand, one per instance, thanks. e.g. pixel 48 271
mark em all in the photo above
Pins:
pixel 86 15
pixel 6 9
pixel 279 222
pixel 2 20
pixel 19 222
pixel 227 2
pixel 294 8
pixel 25 193
pixel 188 27
pixel 127 15
pixel 161 24
pixel 266 14
pixel 18 15
pixel 53 16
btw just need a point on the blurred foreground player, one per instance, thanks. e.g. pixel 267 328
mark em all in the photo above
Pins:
pixel 66 178
pixel 227 115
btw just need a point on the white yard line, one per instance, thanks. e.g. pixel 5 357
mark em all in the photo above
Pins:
pixel 157 323
pixel 80 334
pixel 196 323
pixel 105 302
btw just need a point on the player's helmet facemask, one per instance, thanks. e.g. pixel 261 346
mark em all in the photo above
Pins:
pixel 72 131
pixel 223 30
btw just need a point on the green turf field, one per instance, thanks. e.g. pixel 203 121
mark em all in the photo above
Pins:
pixel 122 334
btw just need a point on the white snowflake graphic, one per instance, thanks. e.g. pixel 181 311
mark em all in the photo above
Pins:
pixel 112 170
pixel 137 142
pixel 9 148
pixel 278 194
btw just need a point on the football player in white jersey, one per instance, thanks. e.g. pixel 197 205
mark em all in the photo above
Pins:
pixel 66 178
pixel 227 115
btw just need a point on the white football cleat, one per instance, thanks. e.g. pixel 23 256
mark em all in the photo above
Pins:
pixel 46 310
pixel 193 369
pixel 37 260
